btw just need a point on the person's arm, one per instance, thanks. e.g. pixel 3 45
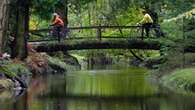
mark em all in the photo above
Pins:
pixel 55 21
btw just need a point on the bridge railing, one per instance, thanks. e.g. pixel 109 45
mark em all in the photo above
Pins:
pixel 90 32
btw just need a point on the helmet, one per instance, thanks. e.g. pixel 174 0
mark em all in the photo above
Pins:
pixel 55 14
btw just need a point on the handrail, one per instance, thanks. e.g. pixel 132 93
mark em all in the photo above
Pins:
pixel 88 27
pixel 99 29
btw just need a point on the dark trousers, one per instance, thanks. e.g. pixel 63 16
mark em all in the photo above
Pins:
pixel 147 27
pixel 57 30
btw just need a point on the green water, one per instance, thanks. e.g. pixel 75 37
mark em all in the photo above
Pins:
pixel 126 89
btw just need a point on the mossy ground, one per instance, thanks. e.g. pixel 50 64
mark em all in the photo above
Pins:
pixel 6 84
pixel 12 71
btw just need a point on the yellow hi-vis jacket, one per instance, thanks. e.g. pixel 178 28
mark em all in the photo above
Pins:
pixel 147 19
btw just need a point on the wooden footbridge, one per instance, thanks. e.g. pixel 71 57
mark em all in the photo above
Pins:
pixel 94 37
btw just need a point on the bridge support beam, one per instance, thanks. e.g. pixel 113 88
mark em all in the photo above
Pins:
pixel 115 44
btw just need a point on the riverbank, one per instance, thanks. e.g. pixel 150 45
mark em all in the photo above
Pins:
pixel 182 80
pixel 16 74
pixel 177 71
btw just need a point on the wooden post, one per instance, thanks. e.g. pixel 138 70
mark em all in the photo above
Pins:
pixel 142 32
pixel 99 33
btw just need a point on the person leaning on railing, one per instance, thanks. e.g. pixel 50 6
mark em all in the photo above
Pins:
pixel 146 22
pixel 58 24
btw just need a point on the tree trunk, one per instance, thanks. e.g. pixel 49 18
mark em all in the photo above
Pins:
pixel 22 20
pixel 63 12
pixel 89 15
pixel 4 13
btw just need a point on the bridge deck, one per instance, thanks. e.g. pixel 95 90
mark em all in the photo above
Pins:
pixel 95 44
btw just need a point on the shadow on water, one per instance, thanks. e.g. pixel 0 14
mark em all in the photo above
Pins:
pixel 125 89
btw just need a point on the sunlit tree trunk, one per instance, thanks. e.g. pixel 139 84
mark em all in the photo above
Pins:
pixel 89 14
pixel 22 20
pixel 4 13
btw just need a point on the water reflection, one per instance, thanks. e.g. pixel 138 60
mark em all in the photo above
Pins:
pixel 148 103
pixel 109 83
pixel 96 90
pixel 6 94
pixel 9 100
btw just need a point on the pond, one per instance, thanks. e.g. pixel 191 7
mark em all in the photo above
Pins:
pixel 125 89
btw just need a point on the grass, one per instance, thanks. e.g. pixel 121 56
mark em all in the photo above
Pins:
pixel 180 80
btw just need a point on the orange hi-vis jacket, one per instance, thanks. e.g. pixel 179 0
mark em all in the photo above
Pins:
pixel 58 21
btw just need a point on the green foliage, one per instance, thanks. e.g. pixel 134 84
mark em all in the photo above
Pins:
pixel 189 59
pixel 182 80
pixel 173 34
pixel 37 22
pixel 19 69
pixel 13 70
pixel 7 72
pixel 43 8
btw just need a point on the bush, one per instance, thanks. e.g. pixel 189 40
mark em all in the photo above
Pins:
pixel 182 80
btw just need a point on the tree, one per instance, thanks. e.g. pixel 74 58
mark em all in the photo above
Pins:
pixel 4 13
pixel 62 9
pixel 22 28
